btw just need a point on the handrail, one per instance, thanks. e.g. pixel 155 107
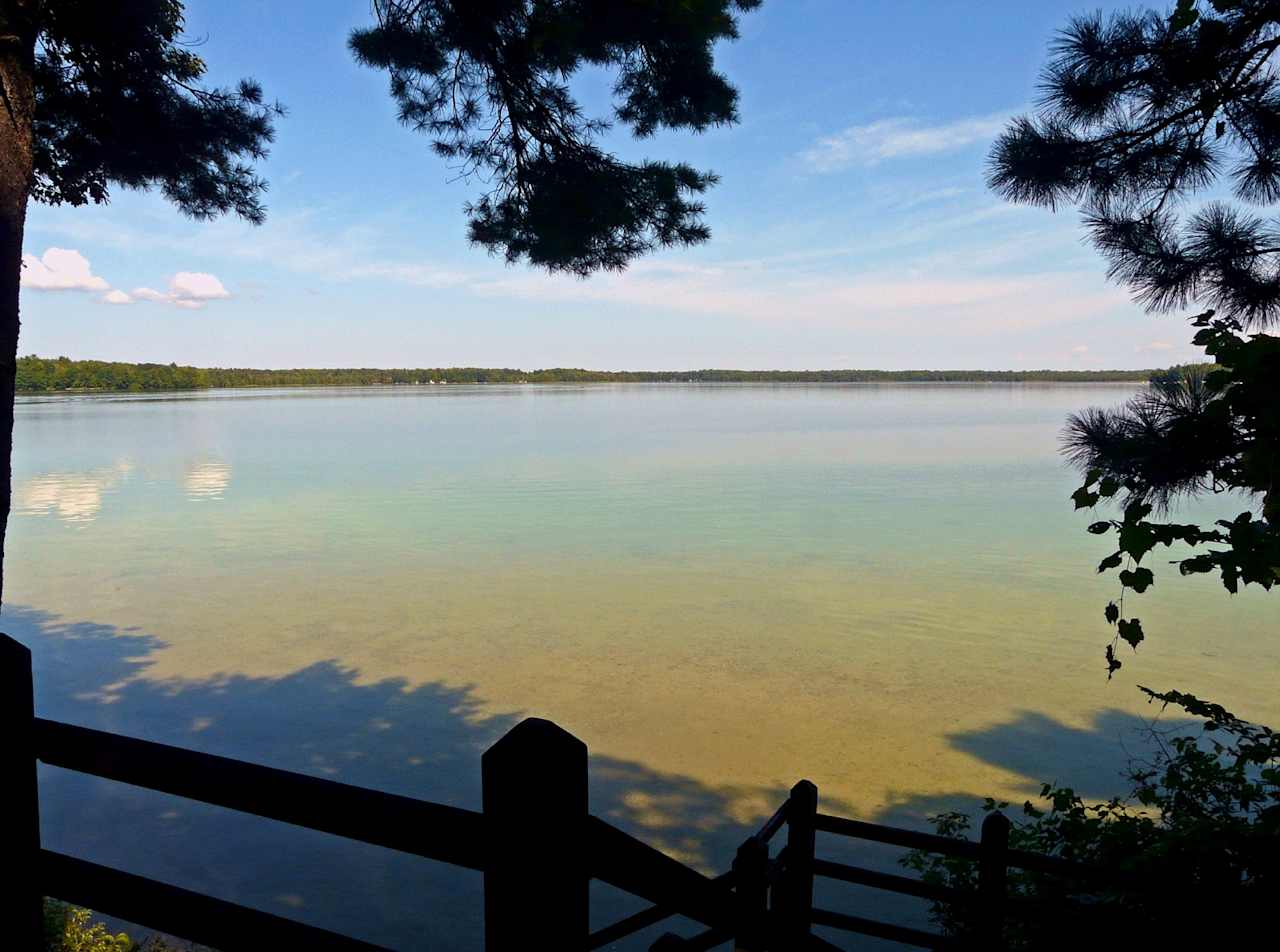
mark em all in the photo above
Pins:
pixel 774 823
pixel 950 846
pixel 896 836
pixel 638 920
pixel 432 830
pixel 880 930
pixel 196 917
pixel 701 942
pixel 636 867
pixel 889 882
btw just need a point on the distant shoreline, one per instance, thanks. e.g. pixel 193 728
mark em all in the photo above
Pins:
pixel 38 375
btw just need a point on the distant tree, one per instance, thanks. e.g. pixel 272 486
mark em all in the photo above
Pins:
pixel 1139 113
pixel 488 81
pixel 97 93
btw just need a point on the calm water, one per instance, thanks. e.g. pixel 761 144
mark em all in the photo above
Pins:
pixel 720 589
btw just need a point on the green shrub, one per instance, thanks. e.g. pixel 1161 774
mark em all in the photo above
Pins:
pixel 1190 857
pixel 68 929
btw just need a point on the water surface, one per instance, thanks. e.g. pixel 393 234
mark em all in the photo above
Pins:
pixel 720 588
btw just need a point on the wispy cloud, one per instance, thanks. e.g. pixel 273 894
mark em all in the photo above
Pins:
pixel 60 269
pixel 910 303
pixel 932 197
pixel 1155 347
pixel 417 274
pixel 896 138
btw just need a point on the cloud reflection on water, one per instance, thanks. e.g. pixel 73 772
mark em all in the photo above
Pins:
pixel 207 479
pixel 75 498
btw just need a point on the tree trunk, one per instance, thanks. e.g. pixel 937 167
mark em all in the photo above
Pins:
pixel 17 108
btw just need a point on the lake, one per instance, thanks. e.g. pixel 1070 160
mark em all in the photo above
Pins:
pixel 720 589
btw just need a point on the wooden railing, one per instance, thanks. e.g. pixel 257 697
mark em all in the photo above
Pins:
pixel 535 842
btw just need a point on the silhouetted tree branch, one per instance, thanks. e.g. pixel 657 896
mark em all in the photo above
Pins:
pixel 488 82
pixel 1140 112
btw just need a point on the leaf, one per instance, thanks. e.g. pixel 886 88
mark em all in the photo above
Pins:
pixel 1113 663
pixel 1109 486
pixel 1137 511
pixel 1112 612
pixel 1083 498
pixel 1137 539
pixel 1098 528
pixel 1139 579
pixel 1230 578
pixel 1131 631
pixel 1110 562
pixel 1197 565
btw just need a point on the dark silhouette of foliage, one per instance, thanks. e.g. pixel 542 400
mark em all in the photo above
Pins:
pixel 1193 840
pixel 98 95
pixel 487 80
pixel 119 100
pixel 1139 113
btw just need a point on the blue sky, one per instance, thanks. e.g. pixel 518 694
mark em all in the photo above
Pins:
pixel 851 227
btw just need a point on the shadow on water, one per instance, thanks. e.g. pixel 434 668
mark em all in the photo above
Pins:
pixel 423 741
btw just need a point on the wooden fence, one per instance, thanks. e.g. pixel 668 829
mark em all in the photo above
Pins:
pixel 535 842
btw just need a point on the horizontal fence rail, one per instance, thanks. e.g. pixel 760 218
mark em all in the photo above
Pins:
pixel 432 830
pixel 535 843
pixel 195 917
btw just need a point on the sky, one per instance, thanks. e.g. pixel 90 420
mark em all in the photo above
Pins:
pixel 851 228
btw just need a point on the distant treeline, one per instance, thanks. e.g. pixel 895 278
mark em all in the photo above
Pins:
pixel 41 375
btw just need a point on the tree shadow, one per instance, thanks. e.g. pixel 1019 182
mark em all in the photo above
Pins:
pixel 423 741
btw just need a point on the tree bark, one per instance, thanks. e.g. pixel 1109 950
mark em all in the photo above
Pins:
pixel 18 29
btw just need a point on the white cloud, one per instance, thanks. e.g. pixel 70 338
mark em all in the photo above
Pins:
pixel 197 286
pixel 187 289
pixel 64 269
pixel 1080 349
pixel 1153 347
pixel 899 137
pixel 60 269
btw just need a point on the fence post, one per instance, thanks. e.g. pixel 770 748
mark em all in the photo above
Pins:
pixel 751 896
pixel 796 889
pixel 537 859
pixel 993 875
pixel 21 902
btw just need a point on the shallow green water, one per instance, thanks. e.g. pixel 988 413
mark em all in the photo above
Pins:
pixel 719 588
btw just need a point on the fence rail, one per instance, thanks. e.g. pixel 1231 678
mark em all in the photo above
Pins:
pixel 432 830
pixel 535 842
